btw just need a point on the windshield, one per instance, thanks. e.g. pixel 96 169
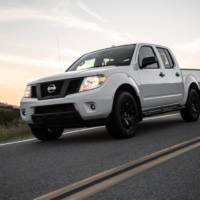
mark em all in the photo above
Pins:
pixel 117 56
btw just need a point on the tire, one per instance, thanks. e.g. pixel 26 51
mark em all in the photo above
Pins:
pixel 124 117
pixel 192 108
pixel 47 134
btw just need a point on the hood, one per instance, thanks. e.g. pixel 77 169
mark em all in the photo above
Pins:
pixel 75 74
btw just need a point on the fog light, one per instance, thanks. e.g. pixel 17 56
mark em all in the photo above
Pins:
pixel 92 106
pixel 23 112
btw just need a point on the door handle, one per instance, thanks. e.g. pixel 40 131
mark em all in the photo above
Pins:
pixel 177 74
pixel 161 74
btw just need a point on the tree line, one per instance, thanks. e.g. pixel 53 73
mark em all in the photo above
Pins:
pixel 8 114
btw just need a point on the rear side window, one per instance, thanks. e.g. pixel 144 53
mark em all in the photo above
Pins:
pixel 145 52
pixel 166 58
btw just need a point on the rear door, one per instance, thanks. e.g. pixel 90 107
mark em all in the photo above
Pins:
pixel 174 83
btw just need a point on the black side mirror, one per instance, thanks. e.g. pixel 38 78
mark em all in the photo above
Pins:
pixel 148 61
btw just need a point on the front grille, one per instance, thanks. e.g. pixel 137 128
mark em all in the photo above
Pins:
pixel 59 108
pixel 60 89
pixel 44 88
pixel 74 86
pixel 33 92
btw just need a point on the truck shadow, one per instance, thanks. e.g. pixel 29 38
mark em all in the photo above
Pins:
pixel 100 135
pixel 148 127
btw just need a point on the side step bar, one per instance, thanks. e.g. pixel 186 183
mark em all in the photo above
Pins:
pixel 161 110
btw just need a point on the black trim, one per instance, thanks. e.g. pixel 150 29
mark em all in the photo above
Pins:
pixel 64 87
pixel 33 92
pixel 61 88
pixel 65 119
pixel 56 108
pixel 161 110
pixel 190 69
pixel 70 119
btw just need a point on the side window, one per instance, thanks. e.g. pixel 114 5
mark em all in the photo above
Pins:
pixel 145 52
pixel 166 58
pixel 171 62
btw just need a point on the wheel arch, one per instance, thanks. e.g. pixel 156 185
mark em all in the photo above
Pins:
pixel 129 88
pixel 194 85
pixel 190 83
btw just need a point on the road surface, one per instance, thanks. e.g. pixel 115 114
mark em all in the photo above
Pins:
pixel 32 168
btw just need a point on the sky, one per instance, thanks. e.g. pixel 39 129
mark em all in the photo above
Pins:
pixel 43 37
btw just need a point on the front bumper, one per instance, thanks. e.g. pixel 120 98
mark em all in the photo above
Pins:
pixel 82 115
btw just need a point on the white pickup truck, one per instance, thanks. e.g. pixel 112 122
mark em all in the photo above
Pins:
pixel 116 87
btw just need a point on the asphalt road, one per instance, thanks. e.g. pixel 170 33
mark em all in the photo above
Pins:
pixel 30 169
pixel 178 179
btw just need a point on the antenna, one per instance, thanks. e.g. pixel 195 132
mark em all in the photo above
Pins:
pixel 58 48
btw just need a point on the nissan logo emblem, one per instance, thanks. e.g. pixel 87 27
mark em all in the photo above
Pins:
pixel 51 88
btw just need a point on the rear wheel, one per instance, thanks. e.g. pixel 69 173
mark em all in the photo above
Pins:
pixel 192 109
pixel 124 117
pixel 47 134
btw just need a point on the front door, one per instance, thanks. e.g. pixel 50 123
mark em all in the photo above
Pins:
pixel 152 80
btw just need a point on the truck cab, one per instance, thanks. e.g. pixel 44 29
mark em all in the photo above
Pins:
pixel 161 83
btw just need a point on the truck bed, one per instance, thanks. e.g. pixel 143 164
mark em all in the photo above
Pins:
pixel 193 72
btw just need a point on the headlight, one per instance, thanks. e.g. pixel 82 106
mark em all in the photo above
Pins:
pixel 27 93
pixel 92 82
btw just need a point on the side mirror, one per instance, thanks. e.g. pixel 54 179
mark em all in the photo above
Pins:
pixel 148 61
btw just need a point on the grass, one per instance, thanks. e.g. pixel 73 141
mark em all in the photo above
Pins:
pixel 11 131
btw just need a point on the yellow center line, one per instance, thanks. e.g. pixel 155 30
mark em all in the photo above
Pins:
pixel 101 181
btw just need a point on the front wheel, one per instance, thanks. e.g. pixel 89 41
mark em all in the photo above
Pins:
pixel 47 134
pixel 124 117
pixel 192 108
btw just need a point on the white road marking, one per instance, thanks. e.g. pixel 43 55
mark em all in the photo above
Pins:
pixel 86 129
pixel 16 142
pixel 33 139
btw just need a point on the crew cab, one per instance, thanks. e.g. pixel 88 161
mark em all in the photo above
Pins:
pixel 116 87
